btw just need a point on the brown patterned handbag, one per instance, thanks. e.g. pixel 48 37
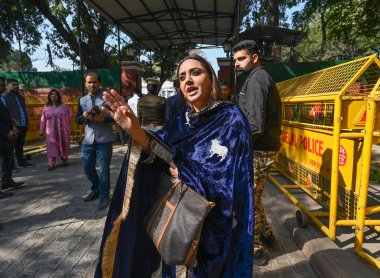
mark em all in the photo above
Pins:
pixel 175 221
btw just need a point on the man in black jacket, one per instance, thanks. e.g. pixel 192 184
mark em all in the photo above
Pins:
pixel 261 103
pixel 16 106
pixel 7 132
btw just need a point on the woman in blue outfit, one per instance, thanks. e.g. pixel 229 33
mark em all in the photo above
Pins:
pixel 208 147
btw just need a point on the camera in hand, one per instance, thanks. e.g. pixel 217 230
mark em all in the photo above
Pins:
pixel 95 110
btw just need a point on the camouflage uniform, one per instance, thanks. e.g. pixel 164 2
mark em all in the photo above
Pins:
pixel 261 165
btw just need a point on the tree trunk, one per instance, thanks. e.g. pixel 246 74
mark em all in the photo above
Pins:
pixel 273 12
pixel 324 36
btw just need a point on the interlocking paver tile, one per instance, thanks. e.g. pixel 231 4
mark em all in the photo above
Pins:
pixel 48 231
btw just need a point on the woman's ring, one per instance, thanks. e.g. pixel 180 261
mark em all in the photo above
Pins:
pixel 114 109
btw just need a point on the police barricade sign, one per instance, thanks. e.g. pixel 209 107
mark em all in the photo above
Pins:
pixel 309 153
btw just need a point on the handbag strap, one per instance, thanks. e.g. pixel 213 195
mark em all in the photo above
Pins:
pixel 177 182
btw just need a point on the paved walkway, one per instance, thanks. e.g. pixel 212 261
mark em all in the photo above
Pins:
pixel 48 231
pixel 46 228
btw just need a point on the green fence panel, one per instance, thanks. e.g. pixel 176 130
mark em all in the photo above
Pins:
pixel 111 77
pixel 285 71
pixel 64 79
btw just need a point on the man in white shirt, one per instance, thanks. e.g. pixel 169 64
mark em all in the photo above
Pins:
pixel 132 102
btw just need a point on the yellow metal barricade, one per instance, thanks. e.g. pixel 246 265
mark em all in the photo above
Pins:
pixel 34 106
pixel 329 126
pixel 76 130
pixel 371 133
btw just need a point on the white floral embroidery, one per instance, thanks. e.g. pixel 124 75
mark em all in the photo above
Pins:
pixel 218 149
pixel 187 119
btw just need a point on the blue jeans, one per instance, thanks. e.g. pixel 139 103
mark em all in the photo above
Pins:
pixel 100 153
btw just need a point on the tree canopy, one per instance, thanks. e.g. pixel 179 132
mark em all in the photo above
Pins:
pixel 335 28
pixel 63 37
pixel 12 63
pixel 338 28
pixel 19 22
pixel 268 12
pixel 162 63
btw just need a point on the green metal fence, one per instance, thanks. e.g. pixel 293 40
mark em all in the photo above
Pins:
pixel 110 77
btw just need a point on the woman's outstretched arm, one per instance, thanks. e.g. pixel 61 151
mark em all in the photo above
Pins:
pixel 122 113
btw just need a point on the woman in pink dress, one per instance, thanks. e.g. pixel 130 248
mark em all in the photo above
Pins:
pixel 56 120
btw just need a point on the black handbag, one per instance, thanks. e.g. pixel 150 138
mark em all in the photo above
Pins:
pixel 175 221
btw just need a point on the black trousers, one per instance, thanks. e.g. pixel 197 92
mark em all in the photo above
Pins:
pixel 17 145
pixel 5 162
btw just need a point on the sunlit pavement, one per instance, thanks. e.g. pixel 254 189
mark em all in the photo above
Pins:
pixel 46 228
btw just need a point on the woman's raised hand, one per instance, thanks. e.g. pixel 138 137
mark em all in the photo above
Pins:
pixel 120 111
pixel 173 170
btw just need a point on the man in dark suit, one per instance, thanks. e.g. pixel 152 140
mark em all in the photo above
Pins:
pixel 7 132
pixel 16 106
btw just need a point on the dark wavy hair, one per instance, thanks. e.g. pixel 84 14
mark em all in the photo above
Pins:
pixel 249 45
pixel 215 90
pixel 59 100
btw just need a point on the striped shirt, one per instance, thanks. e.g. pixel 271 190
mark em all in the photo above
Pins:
pixel 3 101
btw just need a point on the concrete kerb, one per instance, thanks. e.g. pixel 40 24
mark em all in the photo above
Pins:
pixel 325 257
